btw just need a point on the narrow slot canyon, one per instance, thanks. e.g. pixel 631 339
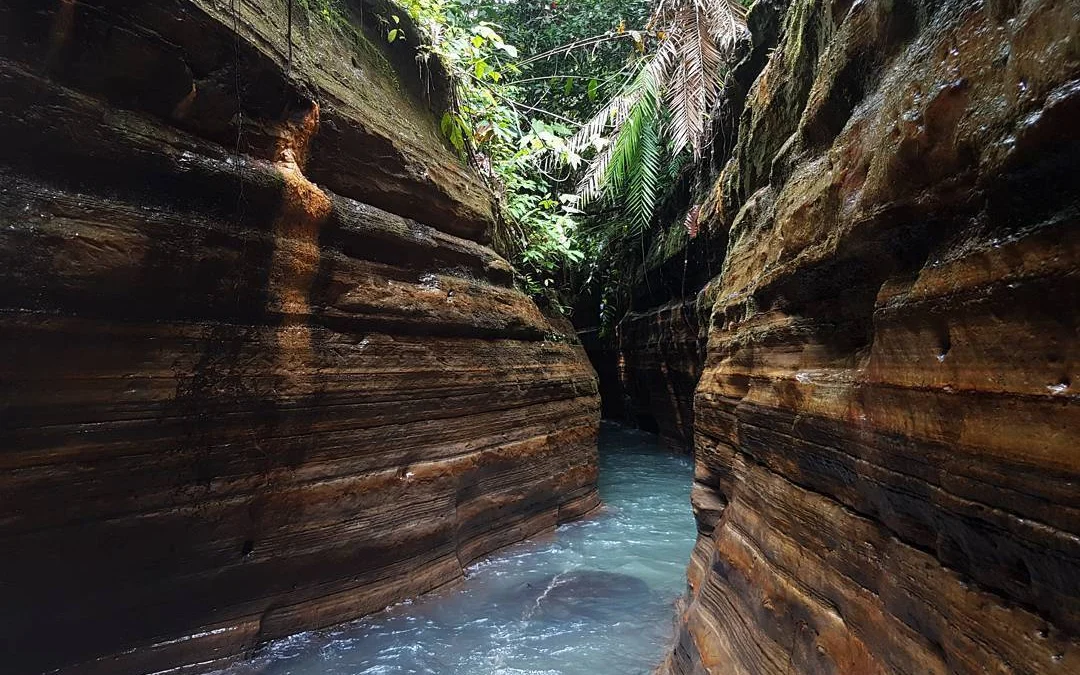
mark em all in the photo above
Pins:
pixel 276 398
pixel 594 597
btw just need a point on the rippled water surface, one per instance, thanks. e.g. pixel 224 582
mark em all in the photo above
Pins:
pixel 594 598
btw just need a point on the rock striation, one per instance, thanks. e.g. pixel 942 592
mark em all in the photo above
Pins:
pixel 887 425
pixel 258 372
pixel 661 350
pixel 649 365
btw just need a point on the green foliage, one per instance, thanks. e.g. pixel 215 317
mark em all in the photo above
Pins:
pixel 575 53
pixel 686 73
pixel 565 105
pixel 639 141
pixel 631 163
pixel 491 127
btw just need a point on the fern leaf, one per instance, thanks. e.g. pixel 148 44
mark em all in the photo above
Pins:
pixel 693 220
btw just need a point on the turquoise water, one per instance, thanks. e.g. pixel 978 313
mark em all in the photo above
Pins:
pixel 595 598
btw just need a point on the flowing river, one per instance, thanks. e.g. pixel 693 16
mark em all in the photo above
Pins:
pixel 596 597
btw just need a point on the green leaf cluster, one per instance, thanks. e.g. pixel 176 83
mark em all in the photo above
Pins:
pixel 508 143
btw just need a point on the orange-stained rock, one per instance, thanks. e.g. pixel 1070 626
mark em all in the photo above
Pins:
pixel 887 427
pixel 257 375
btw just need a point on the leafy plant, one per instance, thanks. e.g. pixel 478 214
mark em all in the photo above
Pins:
pixel 663 112
pixel 493 129
pixel 575 53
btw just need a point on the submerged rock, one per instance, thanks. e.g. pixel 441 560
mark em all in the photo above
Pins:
pixel 582 595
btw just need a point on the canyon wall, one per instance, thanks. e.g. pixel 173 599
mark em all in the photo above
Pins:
pixel 258 373
pixel 647 368
pixel 661 351
pixel 887 426
pixel 649 363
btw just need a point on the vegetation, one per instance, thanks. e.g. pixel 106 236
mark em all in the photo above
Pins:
pixel 579 115
pixel 664 110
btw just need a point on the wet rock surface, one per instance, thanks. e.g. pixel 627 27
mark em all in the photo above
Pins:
pixel 257 374
pixel 887 430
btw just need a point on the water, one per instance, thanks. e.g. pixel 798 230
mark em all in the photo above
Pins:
pixel 594 598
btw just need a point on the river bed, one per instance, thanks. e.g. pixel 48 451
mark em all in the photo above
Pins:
pixel 596 597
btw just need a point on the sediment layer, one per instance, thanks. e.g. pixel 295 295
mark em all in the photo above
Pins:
pixel 887 430
pixel 258 375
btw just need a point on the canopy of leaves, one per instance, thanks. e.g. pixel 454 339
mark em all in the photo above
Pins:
pixel 575 54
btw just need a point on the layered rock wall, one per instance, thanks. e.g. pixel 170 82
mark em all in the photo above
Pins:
pixel 661 352
pixel 887 427
pixel 649 365
pixel 256 373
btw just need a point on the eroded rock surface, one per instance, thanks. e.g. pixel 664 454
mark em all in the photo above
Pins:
pixel 887 425
pixel 661 352
pixel 256 373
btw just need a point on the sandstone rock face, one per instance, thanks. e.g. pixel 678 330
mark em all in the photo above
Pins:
pixel 887 428
pixel 605 361
pixel 649 365
pixel 256 373
pixel 661 351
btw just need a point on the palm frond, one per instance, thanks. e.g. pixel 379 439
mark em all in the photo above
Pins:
pixel 592 184
pixel 643 187
pixel 707 30
pixel 611 170
pixel 679 85
pixel 612 115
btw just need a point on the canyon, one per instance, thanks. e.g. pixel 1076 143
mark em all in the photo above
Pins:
pixel 263 373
